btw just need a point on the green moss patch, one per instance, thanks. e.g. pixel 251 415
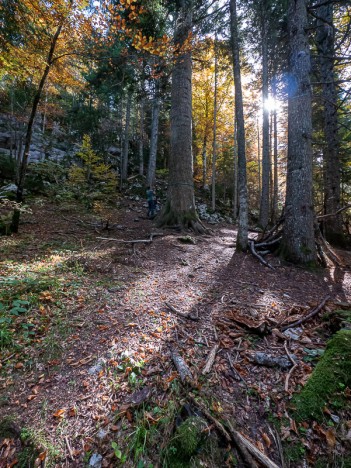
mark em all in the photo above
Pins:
pixel 189 437
pixel 330 377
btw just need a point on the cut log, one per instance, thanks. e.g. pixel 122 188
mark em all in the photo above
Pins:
pixel 210 360
pixel 264 359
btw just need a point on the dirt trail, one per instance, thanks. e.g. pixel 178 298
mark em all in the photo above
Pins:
pixel 108 331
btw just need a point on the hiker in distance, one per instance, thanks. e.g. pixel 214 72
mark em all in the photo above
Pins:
pixel 150 196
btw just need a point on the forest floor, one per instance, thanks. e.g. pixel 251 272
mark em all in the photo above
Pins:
pixel 86 369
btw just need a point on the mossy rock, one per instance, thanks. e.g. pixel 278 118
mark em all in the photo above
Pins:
pixel 189 438
pixel 331 375
pixel 8 428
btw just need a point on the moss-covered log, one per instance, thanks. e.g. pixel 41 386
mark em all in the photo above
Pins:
pixel 328 381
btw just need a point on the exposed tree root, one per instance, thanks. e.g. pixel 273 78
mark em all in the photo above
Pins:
pixel 271 242
pixel 184 220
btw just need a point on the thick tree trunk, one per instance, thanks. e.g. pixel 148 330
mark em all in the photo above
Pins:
pixel 325 45
pixel 264 205
pixel 259 159
pixel 125 153
pixel 151 173
pixel 298 243
pixel 239 115
pixel 275 208
pixel 180 206
pixel 141 137
pixel 28 138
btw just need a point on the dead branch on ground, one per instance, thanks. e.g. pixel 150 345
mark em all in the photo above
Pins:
pixel 210 360
pixel 180 314
pixel 308 316
pixel 184 372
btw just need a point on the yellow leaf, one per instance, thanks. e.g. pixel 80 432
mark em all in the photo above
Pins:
pixel 59 413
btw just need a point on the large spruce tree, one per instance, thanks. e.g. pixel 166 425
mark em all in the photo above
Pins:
pixel 298 238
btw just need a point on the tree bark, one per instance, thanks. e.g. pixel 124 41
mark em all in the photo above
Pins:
pixel 242 238
pixel 151 173
pixel 141 136
pixel 235 179
pixel 214 145
pixel 325 38
pixel 28 138
pixel 298 243
pixel 125 152
pixel 180 206
pixel 264 204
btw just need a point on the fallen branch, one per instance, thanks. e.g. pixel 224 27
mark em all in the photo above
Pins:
pixel 295 364
pixel 210 360
pixel 261 457
pixel 255 254
pixel 69 448
pixel 245 455
pixel 181 366
pixel 237 373
pixel 308 316
pixel 331 215
pixel 180 314
pixel 136 241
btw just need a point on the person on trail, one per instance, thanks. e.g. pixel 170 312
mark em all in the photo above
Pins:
pixel 151 203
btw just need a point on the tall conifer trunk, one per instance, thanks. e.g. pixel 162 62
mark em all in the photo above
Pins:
pixel 325 45
pixel 180 206
pixel 298 244
pixel 154 136
pixel 264 204
pixel 125 154
pixel 141 136
pixel 242 238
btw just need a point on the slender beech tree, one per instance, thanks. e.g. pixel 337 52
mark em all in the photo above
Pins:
pixel 325 39
pixel 50 59
pixel 242 238
pixel 298 243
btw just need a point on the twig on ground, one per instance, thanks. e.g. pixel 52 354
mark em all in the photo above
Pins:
pixel 69 448
pixel 180 314
pixel 210 360
pixel 234 370
pixel 308 316
pixel 295 364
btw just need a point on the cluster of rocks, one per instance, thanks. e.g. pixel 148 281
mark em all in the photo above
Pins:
pixel 211 218
pixel 49 145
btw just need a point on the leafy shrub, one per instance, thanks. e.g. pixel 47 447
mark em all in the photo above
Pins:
pixel 93 179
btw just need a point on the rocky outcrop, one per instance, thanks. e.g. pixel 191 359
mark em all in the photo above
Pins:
pixel 45 145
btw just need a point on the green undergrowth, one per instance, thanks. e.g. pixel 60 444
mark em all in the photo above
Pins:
pixel 34 295
pixel 328 382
